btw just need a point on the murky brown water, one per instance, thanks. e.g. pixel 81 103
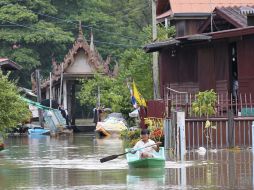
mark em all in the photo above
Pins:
pixel 73 163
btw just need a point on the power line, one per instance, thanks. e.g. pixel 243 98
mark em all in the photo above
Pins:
pixel 90 27
pixel 96 41
pixel 105 22
pixel 83 26
pixel 110 43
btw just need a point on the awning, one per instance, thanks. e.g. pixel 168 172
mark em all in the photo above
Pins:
pixel 159 45
pixel 197 38
pixel 7 64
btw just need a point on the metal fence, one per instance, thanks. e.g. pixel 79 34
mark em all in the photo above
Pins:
pixel 233 120
pixel 225 135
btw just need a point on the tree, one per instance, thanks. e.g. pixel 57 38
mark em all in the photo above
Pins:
pixel 27 37
pixel 34 32
pixel 134 64
pixel 13 110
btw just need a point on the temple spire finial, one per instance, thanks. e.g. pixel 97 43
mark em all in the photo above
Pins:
pixel 80 32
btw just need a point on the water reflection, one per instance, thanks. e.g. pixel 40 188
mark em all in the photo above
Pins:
pixel 149 178
pixel 73 163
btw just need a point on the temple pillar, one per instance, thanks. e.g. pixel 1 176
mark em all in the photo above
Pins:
pixel 65 94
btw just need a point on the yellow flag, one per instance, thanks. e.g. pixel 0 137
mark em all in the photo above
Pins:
pixel 140 100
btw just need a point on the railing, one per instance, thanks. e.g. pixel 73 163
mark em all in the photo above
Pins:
pixel 243 105
pixel 225 135
pixel 233 120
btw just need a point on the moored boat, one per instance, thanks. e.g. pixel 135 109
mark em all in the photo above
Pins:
pixel 112 125
pixel 158 161
pixel 39 131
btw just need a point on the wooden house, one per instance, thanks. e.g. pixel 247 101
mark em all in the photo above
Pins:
pixel 210 60
pixel 189 15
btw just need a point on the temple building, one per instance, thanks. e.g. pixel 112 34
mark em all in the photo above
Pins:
pixel 81 62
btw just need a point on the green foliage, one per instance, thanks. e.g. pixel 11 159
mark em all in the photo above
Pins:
pixel 12 109
pixel 165 33
pixel 26 57
pixel 130 137
pixel 28 38
pixel 19 14
pixel 204 105
pixel 113 94
pixel 32 32
pixel 134 64
pixel 205 102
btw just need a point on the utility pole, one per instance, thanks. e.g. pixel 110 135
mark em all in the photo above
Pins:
pixel 61 86
pixel 38 88
pixel 50 90
pixel 99 97
pixel 156 92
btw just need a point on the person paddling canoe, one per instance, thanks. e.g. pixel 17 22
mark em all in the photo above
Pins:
pixel 145 141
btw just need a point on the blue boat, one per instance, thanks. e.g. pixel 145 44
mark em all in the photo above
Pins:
pixel 38 131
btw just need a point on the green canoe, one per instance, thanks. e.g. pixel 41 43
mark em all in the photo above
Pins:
pixel 157 162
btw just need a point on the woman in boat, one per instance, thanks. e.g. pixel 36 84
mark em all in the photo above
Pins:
pixel 145 141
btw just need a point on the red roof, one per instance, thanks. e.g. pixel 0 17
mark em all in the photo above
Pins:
pixel 200 6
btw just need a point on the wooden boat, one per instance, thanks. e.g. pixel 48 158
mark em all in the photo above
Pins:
pixel 158 161
pixel 111 126
pixel 39 131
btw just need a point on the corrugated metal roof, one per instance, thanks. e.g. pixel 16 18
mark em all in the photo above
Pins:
pixel 7 64
pixel 3 59
pixel 236 15
pixel 247 10
pixel 233 15
pixel 204 37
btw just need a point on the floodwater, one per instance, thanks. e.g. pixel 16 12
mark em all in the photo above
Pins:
pixel 42 162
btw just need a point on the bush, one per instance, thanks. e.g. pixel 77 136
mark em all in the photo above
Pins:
pixel 13 110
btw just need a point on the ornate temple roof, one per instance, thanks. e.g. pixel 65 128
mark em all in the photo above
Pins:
pixel 92 56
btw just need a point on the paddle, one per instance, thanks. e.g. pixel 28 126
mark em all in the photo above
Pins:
pixel 112 157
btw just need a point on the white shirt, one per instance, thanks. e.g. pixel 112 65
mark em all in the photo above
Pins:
pixel 141 144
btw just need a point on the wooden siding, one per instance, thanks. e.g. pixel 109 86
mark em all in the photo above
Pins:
pixel 195 68
pixel 206 69
pixel 245 56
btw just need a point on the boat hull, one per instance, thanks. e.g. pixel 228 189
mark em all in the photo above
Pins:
pixel 147 163
pixel 158 161
pixel 39 131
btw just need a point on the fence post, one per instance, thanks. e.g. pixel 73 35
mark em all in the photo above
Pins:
pixel 167 134
pixel 180 116
pixel 231 138
pixel 252 137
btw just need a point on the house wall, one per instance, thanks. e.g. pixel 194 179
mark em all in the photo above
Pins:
pixel 245 57
pixel 187 26
pixel 195 68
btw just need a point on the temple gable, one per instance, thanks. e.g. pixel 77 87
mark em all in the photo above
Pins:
pixel 80 64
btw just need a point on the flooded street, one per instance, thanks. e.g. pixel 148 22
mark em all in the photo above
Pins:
pixel 41 162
